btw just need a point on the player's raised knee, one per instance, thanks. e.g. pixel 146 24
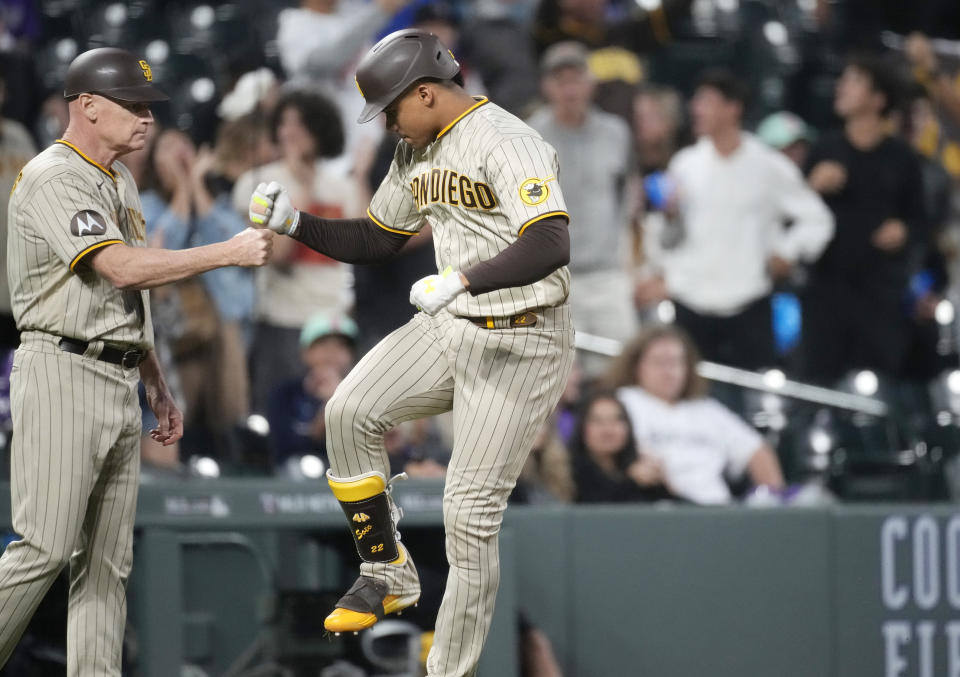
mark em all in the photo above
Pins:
pixel 348 409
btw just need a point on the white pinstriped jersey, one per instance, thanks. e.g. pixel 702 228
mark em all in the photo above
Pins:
pixel 486 178
pixel 63 207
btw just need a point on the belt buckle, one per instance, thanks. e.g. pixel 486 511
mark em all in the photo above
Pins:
pixel 130 359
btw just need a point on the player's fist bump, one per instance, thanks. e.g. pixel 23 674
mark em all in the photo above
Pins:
pixel 270 206
pixel 251 247
pixel 433 293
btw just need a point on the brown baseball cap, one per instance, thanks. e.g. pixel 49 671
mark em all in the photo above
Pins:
pixel 114 73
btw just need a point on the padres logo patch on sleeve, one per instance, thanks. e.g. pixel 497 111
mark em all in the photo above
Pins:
pixel 88 222
pixel 535 190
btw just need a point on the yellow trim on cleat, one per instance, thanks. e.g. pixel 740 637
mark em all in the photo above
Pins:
pixel 345 620
pixel 358 488
pixel 426 643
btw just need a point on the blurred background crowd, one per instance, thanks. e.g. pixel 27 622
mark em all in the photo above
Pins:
pixel 765 230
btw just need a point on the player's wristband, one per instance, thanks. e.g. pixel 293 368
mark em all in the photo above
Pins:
pixel 294 223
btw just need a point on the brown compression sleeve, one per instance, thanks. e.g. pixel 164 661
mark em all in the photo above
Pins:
pixel 543 247
pixel 349 240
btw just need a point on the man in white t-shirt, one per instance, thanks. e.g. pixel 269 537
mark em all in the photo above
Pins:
pixel 694 443
pixel 726 244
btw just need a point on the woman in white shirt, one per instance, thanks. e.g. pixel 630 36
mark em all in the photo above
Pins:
pixel 697 442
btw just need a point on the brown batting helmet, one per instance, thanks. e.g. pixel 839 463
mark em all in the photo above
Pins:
pixel 114 73
pixel 396 62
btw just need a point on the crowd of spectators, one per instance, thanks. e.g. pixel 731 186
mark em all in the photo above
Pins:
pixel 706 184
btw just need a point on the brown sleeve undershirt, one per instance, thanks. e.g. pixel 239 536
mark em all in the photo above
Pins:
pixel 349 240
pixel 543 247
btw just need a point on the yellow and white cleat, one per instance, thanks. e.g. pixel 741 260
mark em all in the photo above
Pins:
pixel 365 603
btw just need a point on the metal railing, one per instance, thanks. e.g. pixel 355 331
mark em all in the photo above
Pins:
pixel 773 382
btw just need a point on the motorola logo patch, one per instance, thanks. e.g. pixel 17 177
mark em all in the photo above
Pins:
pixel 88 223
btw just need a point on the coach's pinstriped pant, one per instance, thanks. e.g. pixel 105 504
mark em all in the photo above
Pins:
pixel 501 385
pixel 74 479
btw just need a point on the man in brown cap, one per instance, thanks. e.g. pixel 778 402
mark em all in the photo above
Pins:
pixel 79 270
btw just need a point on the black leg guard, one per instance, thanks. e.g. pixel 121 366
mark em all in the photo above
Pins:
pixel 367 506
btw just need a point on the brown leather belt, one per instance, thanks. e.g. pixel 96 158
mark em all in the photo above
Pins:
pixel 527 319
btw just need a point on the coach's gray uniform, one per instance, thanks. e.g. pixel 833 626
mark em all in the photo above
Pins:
pixel 486 178
pixel 76 420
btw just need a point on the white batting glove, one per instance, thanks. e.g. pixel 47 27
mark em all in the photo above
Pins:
pixel 434 292
pixel 270 206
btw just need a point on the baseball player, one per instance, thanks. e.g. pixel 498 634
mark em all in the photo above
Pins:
pixel 78 268
pixel 493 342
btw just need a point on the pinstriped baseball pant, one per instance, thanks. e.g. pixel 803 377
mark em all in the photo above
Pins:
pixel 74 480
pixel 501 385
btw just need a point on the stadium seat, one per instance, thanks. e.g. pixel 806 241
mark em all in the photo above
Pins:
pixel 119 24
pixel 207 28
pixel 218 625
pixel 54 57
pixel 61 19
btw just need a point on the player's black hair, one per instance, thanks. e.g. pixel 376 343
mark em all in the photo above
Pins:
pixel 320 116
pixel 727 84
pixel 883 78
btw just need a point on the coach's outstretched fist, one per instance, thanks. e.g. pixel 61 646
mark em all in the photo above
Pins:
pixel 252 247
pixel 270 206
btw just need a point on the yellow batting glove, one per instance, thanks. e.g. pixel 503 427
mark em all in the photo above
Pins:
pixel 433 293
pixel 260 205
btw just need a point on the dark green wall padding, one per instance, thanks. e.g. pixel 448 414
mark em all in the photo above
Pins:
pixel 621 591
